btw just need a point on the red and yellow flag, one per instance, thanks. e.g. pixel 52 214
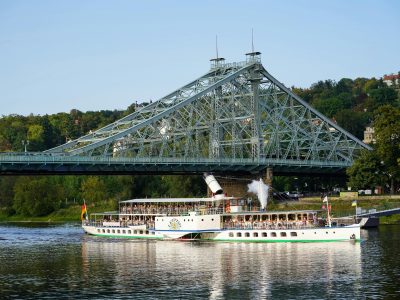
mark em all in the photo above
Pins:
pixel 84 211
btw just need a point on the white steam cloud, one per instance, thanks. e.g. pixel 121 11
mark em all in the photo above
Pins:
pixel 261 190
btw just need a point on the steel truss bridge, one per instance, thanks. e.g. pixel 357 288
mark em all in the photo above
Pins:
pixel 235 118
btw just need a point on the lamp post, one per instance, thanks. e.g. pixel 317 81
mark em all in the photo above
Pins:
pixel 25 144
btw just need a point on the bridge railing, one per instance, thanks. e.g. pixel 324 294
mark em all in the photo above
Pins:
pixel 38 157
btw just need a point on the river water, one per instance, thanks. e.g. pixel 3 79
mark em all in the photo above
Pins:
pixel 59 261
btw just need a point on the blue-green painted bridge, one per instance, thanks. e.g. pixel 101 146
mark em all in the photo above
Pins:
pixel 236 118
pixel 48 164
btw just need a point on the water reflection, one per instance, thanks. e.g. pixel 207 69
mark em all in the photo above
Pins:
pixel 222 270
pixel 62 262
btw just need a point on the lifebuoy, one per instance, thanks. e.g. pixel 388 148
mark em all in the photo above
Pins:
pixel 353 237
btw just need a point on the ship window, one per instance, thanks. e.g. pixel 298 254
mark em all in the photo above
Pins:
pixel 118 231
pixel 315 232
pixel 239 234
pixel 129 232
pixel 212 219
pixel 230 234
pixel 124 231
pixel 255 234
pixel 141 232
pixel 113 231
pixel 108 230
pixel 327 232
pixel 147 232
pixel 293 234
pixel 153 233
pixel 273 234
pixel 135 231
pixel 247 234
pixel 264 234
pixel 334 232
pixel 283 233
pixel 202 220
pixel 104 231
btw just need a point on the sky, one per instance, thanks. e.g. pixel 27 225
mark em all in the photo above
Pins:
pixel 104 55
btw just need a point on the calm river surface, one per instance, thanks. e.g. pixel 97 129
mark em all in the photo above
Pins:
pixel 59 261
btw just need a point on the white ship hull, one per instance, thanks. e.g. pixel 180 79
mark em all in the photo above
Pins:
pixel 322 234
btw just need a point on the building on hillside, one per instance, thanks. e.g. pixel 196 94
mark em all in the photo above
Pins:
pixel 369 135
pixel 392 79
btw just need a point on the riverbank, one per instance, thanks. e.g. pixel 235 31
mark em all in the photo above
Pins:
pixel 340 208
pixel 71 213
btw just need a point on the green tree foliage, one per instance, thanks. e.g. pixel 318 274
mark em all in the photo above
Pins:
pixel 353 121
pixel 36 196
pixel 380 97
pixel 331 106
pixel 93 189
pixel 380 166
pixel 365 173
pixel 387 130
pixel 184 186
pixel 7 193
pixel 35 136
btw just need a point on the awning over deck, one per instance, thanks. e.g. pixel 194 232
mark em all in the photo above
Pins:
pixel 177 200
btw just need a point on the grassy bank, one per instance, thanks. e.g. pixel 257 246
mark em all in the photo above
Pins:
pixel 71 213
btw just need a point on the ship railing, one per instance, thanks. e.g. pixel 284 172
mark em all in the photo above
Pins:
pixel 211 211
pixel 176 211
pixel 149 225
pixel 245 226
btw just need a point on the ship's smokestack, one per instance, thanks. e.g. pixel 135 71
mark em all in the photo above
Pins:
pixel 213 184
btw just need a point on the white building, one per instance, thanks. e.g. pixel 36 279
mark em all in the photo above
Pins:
pixel 392 79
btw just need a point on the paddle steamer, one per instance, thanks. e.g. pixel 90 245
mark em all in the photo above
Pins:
pixel 217 218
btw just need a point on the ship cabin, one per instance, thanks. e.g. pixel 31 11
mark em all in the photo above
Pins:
pixel 235 213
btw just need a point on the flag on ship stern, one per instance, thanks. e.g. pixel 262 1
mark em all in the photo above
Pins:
pixel 354 203
pixel 84 211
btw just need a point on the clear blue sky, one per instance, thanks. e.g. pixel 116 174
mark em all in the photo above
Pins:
pixel 94 55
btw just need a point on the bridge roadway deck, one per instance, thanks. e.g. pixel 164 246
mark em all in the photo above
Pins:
pixel 382 213
pixel 38 163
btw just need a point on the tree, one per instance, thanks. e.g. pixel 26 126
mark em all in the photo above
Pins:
pixel 331 106
pixel 6 193
pixel 35 137
pixel 93 189
pixel 184 186
pixel 365 173
pixel 381 96
pixel 353 121
pixel 36 196
pixel 387 131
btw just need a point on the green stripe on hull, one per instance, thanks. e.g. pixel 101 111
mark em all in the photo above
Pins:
pixel 227 240
pixel 280 241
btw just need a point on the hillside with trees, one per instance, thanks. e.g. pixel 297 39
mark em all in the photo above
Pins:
pixel 352 104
